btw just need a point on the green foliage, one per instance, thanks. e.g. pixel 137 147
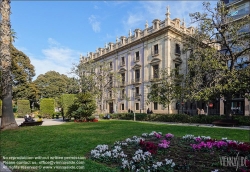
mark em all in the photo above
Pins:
pixel 243 120
pixel 166 88
pixel 214 73
pixel 179 118
pixel 83 107
pixel 98 83
pixel 23 107
pixel 47 107
pixel 23 72
pixel 53 84
pixel 67 100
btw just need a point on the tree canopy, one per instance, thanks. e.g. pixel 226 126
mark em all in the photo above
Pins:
pixel 22 73
pixel 52 84
pixel 219 51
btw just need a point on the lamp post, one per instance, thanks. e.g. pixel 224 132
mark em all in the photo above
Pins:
pixel 133 90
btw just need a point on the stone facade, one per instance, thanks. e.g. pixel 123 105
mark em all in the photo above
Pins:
pixel 135 56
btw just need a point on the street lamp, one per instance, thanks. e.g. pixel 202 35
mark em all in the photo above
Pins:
pixel 133 90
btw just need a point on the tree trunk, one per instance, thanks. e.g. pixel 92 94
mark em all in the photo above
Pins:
pixel 8 119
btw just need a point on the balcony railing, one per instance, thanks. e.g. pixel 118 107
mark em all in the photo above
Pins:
pixel 136 59
pixel 136 80
pixel 122 64
pixel 154 77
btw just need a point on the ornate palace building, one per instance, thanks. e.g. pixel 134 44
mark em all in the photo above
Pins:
pixel 138 57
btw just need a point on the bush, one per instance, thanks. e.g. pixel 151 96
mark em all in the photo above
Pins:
pixel 47 107
pixel 84 106
pixel 243 120
pixel 67 100
pixel 23 107
pixel 181 118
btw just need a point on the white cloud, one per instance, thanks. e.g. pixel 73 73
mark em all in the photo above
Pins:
pixel 133 21
pixel 54 58
pixel 96 7
pixel 95 24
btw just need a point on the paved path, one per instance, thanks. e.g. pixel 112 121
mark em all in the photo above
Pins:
pixel 46 122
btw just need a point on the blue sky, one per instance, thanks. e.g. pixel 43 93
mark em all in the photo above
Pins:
pixel 54 33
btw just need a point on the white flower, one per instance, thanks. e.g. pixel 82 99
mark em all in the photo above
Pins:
pixel 216 170
pixel 159 164
pixel 173 164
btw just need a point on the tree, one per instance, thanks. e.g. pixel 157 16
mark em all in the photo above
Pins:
pixel 22 73
pixel 99 79
pixel 8 119
pixel 52 84
pixel 214 73
pixel 166 88
pixel 83 107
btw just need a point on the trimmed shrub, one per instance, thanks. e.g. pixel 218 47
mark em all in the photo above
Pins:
pixel 243 120
pixel 47 107
pixel 67 101
pixel 23 107
pixel 179 118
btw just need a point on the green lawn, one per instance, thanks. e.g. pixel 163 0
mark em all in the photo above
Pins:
pixel 78 139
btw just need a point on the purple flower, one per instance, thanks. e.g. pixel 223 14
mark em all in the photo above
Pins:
pixel 169 135
pixel 164 144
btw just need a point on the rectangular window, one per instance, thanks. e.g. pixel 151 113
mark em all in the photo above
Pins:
pixel 123 78
pixel 137 56
pixel 110 65
pixel 137 75
pixel 155 105
pixel 177 49
pixel 123 61
pixel 122 106
pixel 137 91
pixel 156 71
pixel 156 51
pixel 137 106
pixel 110 94
pixel 123 94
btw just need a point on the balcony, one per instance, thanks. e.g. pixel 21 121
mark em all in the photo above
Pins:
pixel 154 77
pixel 122 64
pixel 155 52
pixel 137 59
pixel 136 81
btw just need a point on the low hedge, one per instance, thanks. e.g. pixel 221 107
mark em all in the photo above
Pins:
pixel 181 118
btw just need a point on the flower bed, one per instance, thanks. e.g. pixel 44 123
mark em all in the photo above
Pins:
pixel 158 152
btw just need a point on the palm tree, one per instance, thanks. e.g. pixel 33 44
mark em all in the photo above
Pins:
pixel 8 120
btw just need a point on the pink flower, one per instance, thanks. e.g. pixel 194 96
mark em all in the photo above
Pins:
pixel 164 144
pixel 169 135
pixel 157 135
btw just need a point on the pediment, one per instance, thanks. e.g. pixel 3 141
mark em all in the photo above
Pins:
pixel 177 60
pixel 136 66
pixel 155 60
pixel 122 70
